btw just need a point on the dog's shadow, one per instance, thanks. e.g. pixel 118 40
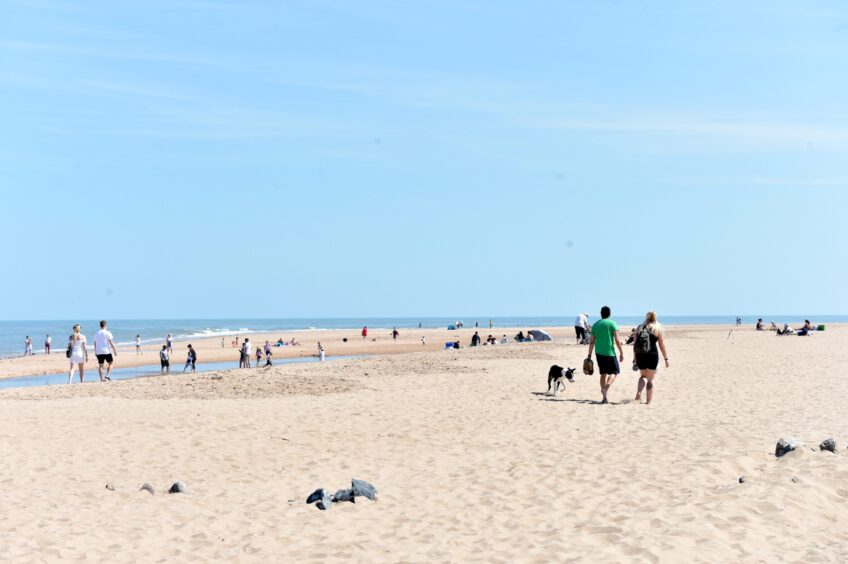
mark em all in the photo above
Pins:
pixel 548 397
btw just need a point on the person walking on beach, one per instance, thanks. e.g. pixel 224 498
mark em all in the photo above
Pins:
pixel 165 359
pixel 268 350
pixel 320 351
pixel 649 336
pixel 169 342
pixel 364 332
pixel 77 353
pixel 222 342
pixel 191 360
pixel 581 325
pixel 104 349
pixel 604 342
pixel 27 346
pixel 47 341
pixel 395 333
pixel 258 356
pixel 138 345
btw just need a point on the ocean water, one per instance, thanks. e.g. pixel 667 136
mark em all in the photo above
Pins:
pixel 13 333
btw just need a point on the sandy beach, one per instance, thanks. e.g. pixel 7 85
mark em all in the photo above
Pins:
pixel 472 461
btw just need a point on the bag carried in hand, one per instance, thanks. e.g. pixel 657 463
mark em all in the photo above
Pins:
pixel 588 367
pixel 68 352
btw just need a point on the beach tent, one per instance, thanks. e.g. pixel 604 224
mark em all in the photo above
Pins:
pixel 540 335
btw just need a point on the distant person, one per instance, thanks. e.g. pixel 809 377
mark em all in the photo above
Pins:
pixel 395 333
pixel 760 325
pixel 169 342
pixel 581 326
pixel 268 350
pixel 77 353
pixel 604 342
pixel 47 341
pixel 320 351
pixel 529 337
pixel 138 345
pixel 504 340
pixel 490 340
pixel 491 325
pixel 105 350
pixel 649 335
pixel 805 330
pixel 258 356
pixel 246 350
pixel 773 326
pixel 475 339
pixel 738 321
pixel 27 346
pixel 222 342
pixel 364 333
pixel 520 337
pixel 191 359
pixel 165 359
pixel 476 324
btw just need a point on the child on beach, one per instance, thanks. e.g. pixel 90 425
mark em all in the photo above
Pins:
pixel 258 356
pixel 267 353
pixel 28 346
pixel 165 359
pixel 138 345
pixel 320 351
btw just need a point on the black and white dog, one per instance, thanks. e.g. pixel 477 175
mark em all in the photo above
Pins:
pixel 556 375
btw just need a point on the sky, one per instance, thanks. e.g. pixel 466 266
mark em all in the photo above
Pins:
pixel 203 159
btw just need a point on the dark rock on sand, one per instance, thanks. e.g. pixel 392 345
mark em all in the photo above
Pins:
pixel 110 486
pixel 742 479
pixel 828 444
pixel 178 487
pixel 326 502
pixel 317 495
pixel 146 487
pixel 344 495
pixel 363 489
pixel 785 445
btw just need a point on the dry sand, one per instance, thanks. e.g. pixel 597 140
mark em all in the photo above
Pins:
pixel 472 462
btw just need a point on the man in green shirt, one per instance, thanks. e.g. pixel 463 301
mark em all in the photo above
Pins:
pixel 604 342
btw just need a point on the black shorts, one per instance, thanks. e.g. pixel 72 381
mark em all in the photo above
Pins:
pixel 648 361
pixel 165 363
pixel 607 364
pixel 580 331
pixel 101 358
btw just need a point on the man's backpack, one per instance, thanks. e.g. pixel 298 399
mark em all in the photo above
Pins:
pixel 642 345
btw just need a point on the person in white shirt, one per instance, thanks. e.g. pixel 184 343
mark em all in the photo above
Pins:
pixel 104 349
pixel 47 342
pixel 77 353
pixel 28 346
pixel 581 326
pixel 138 345
pixel 169 342
pixel 320 351
pixel 246 350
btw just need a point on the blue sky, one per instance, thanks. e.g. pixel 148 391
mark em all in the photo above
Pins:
pixel 301 159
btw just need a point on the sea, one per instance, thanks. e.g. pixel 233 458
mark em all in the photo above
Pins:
pixel 13 333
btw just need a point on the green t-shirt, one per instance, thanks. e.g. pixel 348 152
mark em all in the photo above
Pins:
pixel 603 332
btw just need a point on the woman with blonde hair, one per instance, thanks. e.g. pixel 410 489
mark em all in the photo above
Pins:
pixel 77 353
pixel 649 336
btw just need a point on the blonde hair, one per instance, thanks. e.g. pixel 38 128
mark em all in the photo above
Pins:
pixel 651 323
pixel 77 330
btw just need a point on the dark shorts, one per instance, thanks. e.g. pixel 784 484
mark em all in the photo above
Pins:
pixel 165 363
pixel 101 358
pixel 607 365
pixel 580 331
pixel 648 361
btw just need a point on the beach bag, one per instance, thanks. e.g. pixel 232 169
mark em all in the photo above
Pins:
pixel 68 351
pixel 642 345
pixel 588 367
